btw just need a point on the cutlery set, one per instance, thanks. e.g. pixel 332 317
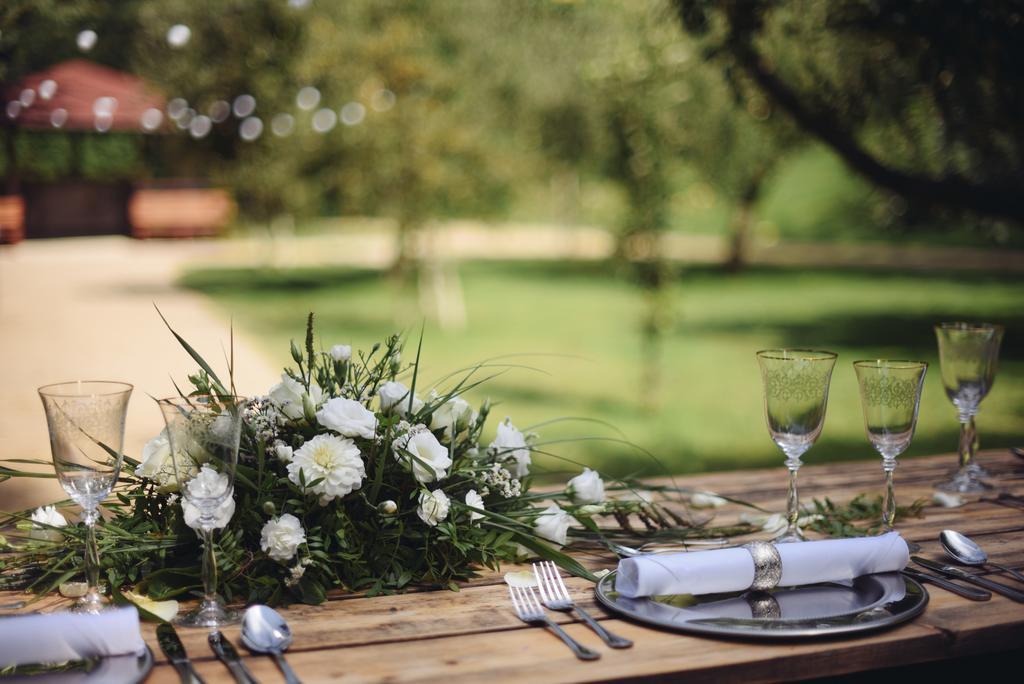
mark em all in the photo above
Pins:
pixel 263 631
pixel 554 595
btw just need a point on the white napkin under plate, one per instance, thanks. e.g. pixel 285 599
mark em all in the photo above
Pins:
pixel 60 637
pixel 724 570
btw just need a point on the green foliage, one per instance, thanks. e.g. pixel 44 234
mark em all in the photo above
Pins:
pixel 109 156
pixel 835 520
pixel 43 155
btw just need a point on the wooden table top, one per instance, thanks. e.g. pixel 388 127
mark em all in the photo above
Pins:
pixel 473 636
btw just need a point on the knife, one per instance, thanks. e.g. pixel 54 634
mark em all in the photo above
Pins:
pixel 967 592
pixel 952 571
pixel 172 647
pixel 229 656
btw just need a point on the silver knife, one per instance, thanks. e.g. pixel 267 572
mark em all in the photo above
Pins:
pixel 172 647
pixel 953 571
pixel 949 585
pixel 229 656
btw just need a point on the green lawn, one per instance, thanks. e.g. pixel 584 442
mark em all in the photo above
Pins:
pixel 581 324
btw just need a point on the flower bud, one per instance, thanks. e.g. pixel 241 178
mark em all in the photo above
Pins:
pixel 269 508
pixel 388 507
pixel 296 352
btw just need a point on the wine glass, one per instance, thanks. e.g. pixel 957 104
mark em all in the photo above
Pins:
pixel 203 432
pixel 968 358
pixel 890 394
pixel 795 394
pixel 86 421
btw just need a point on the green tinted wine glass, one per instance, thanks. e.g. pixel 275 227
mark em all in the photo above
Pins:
pixel 890 394
pixel 796 385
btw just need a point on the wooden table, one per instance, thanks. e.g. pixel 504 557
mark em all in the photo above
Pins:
pixel 473 636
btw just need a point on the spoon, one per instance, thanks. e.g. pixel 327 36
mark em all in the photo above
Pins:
pixel 965 550
pixel 265 631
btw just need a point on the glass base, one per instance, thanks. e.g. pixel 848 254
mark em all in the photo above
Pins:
pixel 964 482
pixel 210 615
pixel 789 536
pixel 90 604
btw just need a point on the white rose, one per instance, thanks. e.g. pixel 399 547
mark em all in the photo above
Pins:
pixel 553 524
pixel 707 500
pixel 394 395
pixel 222 516
pixel 341 352
pixel 450 416
pixel 335 461
pixel 348 417
pixel 283 452
pixel 157 464
pixel 428 458
pixel 510 443
pixel 587 487
pixel 47 515
pixel 287 396
pixel 280 537
pixel 433 507
pixel 474 500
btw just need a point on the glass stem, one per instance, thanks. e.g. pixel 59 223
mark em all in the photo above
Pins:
pixel 92 557
pixel 889 504
pixel 209 566
pixel 792 502
pixel 968 441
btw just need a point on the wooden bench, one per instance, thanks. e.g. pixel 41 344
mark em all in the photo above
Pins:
pixel 180 212
pixel 12 219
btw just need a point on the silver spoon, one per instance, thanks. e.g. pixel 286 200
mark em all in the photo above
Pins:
pixel 265 631
pixel 967 551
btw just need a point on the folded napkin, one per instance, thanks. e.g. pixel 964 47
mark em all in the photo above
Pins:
pixel 60 637
pixel 722 570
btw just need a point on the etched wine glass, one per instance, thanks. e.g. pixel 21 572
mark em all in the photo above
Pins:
pixel 795 395
pixel 203 434
pixel 968 359
pixel 890 395
pixel 86 420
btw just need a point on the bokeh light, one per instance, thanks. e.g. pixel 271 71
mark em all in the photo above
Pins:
pixel 308 98
pixel 324 120
pixel 103 121
pixel 47 89
pixel 250 128
pixel 151 119
pixel 176 107
pixel 185 120
pixel 353 113
pixel 200 126
pixel 243 106
pixel 219 111
pixel 58 117
pixel 27 97
pixel 282 125
pixel 13 109
pixel 86 40
pixel 178 35
pixel 382 100
pixel 104 106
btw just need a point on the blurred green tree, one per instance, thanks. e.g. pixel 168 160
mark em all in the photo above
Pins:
pixel 924 100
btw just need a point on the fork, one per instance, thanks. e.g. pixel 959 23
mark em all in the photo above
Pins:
pixel 529 610
pixel 555 596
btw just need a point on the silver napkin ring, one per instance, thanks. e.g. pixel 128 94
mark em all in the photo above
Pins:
pixel 767 565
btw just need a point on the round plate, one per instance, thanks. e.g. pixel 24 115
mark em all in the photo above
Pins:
pixel 819 610
pixel 125 669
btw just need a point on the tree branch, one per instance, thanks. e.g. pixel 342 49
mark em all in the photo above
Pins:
pixel 952 191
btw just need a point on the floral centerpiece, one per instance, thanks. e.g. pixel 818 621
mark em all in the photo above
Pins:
pixel 351 476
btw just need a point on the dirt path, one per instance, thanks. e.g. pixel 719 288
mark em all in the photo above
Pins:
pixel 83 309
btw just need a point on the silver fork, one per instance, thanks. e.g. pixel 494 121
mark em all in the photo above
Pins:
pixel 529 610
pixel 555 596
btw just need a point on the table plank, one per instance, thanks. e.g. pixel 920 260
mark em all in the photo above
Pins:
pixel 472 635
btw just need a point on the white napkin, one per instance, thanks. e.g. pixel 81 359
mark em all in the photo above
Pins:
pixel 722 570
pixel 59 637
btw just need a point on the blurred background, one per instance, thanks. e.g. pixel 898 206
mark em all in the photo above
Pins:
pixel 624 200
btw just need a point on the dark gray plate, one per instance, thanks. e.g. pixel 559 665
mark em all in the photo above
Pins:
pixel 819 610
